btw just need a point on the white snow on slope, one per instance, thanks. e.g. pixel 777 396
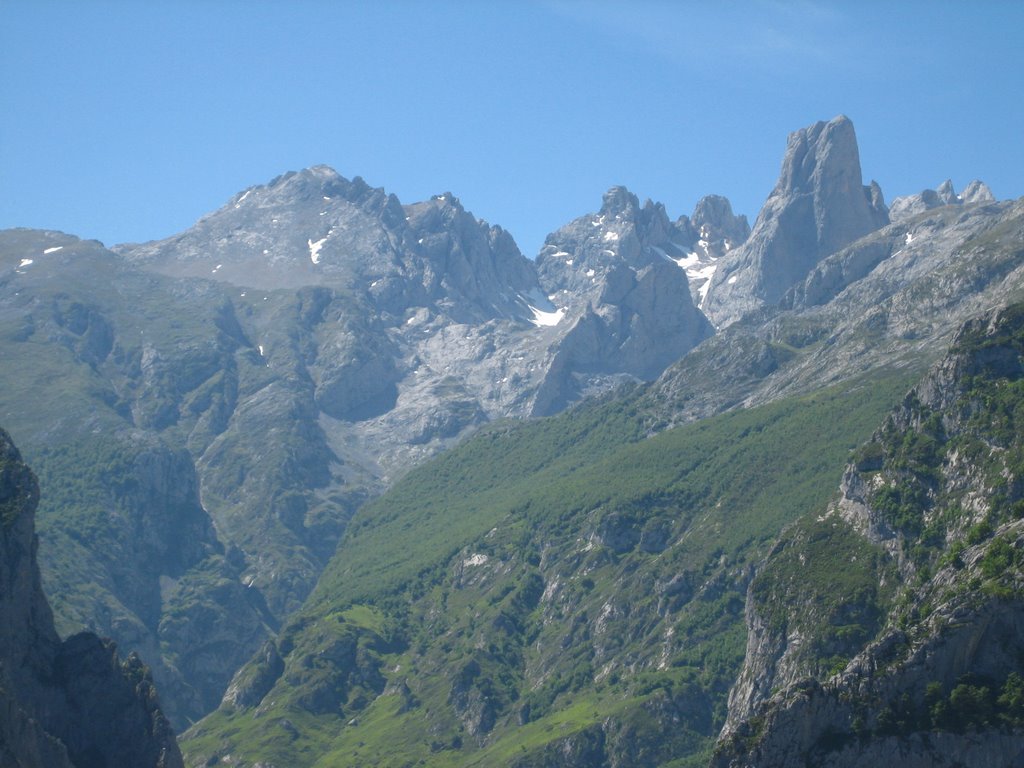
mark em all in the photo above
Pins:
pixel 314 248
pixel 53 250
pixel 696 269
pixel 239 203
pixel 703 292
pixel 547 319
pixel 24 263
pixel 545 314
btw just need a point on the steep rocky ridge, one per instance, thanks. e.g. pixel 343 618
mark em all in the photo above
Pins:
pixel 818 206
pixel 894 298
pixel 620 279
pixel 911 205
pixel 928 522
pixel 72 703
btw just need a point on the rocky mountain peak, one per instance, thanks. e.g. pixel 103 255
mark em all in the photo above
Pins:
pixel 946 193
pixel 977 192
pixel 713 219
pixel 908 206
pixel 818 152
pixel 620 277
pixel 817 206
pixel 619 200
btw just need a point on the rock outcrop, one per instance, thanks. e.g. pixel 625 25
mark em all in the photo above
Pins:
pixel 71 703
pixel 906 207
pixel 818 206
pixel 619 276
pixel 925 646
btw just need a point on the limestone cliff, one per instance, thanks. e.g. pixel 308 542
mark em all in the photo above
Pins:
pixel 71 703
pixel 817 207
pixel 889 629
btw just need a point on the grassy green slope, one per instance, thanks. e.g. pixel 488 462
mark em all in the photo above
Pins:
pixel 559 588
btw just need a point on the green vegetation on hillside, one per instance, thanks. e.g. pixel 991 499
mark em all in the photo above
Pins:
pixel 567 586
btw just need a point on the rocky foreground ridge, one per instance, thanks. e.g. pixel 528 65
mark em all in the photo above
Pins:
pixel 71 703
pixel 916 657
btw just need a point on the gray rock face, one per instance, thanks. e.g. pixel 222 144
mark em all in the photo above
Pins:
pixel 818 206
pixel 620 279
pixel 71 703
pixel 907 207
pixel 895 297
pixel 887 705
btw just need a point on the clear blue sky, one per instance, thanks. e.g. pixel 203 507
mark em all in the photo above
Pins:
pixel 127 121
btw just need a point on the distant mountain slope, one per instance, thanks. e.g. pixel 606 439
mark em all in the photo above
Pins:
pixel 911 650
pixel 209 410
pixel 72 703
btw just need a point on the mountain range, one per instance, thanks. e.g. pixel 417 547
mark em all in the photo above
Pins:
pixel 362 484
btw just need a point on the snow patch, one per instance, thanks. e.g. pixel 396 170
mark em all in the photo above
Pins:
pixel 558 253
pixel 732 279
pixel 24 263
pixel 314 248
pixel 260 347
pixel 239 203
pixel 590 273
pixel 909 239
pixel 546 319
pixel 265 251
pixel 476 559
pixel 326 197
pixel 544 312
pixel 568 262
pixel 214 270
pixel 53 250
pixel 702 292
pixel 611 236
